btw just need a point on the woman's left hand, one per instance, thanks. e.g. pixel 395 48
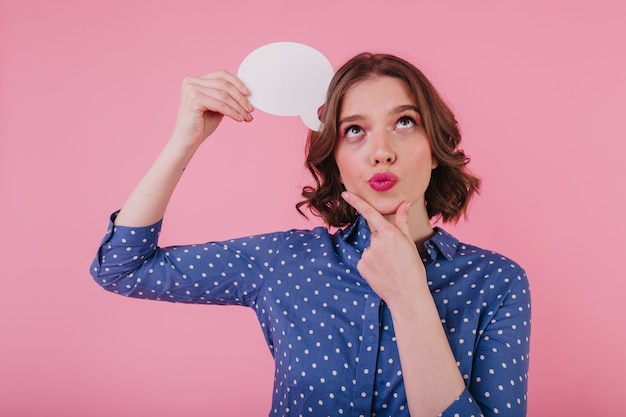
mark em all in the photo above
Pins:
pixel 391 264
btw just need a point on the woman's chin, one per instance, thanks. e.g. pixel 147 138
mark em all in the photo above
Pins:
pixel 387 208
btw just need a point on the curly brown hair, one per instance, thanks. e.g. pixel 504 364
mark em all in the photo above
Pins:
pixel 451 185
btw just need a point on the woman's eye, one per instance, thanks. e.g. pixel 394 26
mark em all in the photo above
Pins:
pixel 352 131
pixel 405 122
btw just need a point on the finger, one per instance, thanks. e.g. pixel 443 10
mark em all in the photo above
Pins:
pixel 217 95
pixel 240 92
pixel 221 88
pixel 225 106
pixel 232 79
pixel 375 220
pixel 228 91
pixel 402 218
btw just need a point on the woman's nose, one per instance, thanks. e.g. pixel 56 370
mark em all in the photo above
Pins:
pixel 382 151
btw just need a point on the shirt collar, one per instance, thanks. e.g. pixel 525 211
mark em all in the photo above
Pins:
pixel 442 244
pixel 357 234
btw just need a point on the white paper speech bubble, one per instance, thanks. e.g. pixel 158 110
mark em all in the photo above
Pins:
pixel 287 79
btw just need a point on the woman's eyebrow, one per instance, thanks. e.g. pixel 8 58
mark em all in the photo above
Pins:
pixel 348 119
pixel 396 110
pixel 404 108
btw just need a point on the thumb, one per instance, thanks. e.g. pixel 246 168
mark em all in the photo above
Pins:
pixel 402 218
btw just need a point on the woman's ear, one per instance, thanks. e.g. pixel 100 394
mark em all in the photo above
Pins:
pixel 320 109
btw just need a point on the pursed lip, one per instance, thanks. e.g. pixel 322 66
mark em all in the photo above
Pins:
pixel 383 181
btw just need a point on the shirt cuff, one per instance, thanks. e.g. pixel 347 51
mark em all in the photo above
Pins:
pixel 131 236
pixel 464 406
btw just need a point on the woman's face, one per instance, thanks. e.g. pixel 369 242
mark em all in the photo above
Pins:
pixel 382 151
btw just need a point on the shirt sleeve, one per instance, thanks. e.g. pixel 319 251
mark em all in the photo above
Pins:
pixel 498 383
pixel 464 406
pixel 129 262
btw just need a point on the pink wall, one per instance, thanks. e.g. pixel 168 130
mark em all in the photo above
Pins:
pixel 88 93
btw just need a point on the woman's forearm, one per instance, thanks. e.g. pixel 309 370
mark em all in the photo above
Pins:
pixel 147 203
pixel 431 376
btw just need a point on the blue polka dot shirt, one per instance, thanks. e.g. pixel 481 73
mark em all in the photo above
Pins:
pixel 331 337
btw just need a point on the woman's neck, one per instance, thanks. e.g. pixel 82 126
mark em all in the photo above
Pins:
pixel 419 224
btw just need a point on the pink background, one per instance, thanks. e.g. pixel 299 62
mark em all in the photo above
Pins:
pixel 88 94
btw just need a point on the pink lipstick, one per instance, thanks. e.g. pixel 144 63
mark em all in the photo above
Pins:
pixel 383 181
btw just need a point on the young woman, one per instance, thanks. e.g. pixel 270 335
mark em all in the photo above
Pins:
pixel 388 316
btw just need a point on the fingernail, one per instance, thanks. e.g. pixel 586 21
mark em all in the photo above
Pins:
pixel 345 195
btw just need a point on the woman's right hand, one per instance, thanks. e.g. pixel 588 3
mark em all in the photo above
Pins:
pixel 205 100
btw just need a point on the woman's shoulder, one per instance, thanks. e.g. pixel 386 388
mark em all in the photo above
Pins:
pixel 476 260
pixel 296 237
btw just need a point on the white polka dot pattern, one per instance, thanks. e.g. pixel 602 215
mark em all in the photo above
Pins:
pixel 331 336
